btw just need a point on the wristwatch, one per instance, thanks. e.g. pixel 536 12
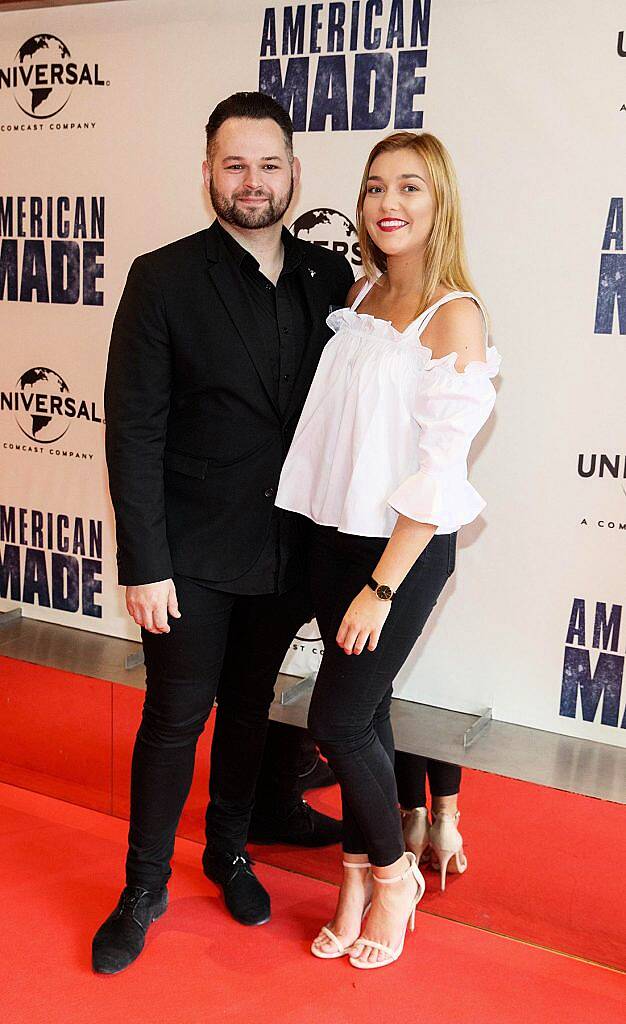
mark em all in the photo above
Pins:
pixel 382 591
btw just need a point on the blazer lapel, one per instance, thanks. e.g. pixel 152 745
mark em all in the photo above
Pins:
pixel 239 309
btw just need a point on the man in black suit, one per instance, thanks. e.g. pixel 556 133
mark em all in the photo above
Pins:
pixel 213 350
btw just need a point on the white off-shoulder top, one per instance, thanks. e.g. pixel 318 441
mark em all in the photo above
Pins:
pixel 387 429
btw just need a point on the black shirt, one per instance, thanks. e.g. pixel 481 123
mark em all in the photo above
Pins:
pixel 282 317
pixel 283 326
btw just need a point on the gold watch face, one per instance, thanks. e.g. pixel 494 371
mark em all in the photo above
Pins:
pixel 384 593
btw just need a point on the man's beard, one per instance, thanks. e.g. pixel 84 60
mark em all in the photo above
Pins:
pixel 262 217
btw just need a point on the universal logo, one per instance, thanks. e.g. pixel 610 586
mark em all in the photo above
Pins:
pixel 598 464
pixel 43 76
pixel 43 407
pixel 331 229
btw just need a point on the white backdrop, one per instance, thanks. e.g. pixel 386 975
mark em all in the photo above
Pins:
pixel 533 110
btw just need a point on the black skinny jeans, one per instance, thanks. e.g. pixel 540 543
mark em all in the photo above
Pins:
pixel 350 708
pixel 237 643
pixel 411 770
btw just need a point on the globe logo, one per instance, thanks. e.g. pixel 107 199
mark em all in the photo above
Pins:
pixel 329 228
pixel 41 80
pixel 40 403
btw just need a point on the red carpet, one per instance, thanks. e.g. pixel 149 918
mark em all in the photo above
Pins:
pixel 545 866
pixel 61 875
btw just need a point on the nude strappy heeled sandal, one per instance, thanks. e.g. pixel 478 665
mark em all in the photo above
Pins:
pixel 341 950
pixel 447 842
pixel 393 954
pixel 416 832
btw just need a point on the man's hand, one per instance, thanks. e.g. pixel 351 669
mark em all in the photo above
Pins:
pixel 150 603
pixel 363 622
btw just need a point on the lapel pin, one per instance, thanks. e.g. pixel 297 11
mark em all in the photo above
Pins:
pixel 311 272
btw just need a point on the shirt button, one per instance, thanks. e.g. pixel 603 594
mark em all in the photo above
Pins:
pixel 285 330
pixel 269 492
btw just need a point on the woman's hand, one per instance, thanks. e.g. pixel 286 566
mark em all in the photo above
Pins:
pixel 364 619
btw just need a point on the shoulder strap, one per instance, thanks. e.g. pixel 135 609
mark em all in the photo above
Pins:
pixel 364 290
pixel 429 313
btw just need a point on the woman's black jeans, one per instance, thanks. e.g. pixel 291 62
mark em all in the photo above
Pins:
pixel 349 715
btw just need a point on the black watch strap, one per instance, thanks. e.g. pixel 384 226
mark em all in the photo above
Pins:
pixel 382 591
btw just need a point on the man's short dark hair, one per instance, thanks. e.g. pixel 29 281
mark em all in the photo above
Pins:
pixel 255 105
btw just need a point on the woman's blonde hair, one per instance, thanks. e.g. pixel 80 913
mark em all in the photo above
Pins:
pixel 445 261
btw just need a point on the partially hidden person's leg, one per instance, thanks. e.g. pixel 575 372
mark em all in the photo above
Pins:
pixel 411 782
pixel 444 781
pixel 182 672
pixel 347 694
pixel 291 764
pixel 447 853
pixel 290 753
pixel 261 630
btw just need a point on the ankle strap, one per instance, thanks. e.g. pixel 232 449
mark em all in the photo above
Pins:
pixel 356 864
pixel 403 875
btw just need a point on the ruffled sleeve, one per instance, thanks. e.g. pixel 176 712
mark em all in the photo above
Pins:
pixel 451 409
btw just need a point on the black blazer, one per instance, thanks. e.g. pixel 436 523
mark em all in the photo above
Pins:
pixel 194 441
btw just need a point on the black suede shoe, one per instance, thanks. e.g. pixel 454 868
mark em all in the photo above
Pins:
pixel 245 897
pixel 319 775
pixel 303 826
pixel 121 938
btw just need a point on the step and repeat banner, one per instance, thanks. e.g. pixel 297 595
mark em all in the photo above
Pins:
pixel 102 110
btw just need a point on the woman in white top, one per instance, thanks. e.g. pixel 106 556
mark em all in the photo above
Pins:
pixel 379 464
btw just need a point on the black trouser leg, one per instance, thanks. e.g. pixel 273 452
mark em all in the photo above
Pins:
pixel 411 780
pixel 443 779
pixel 261 630
pixel 352 694
pixel 289 753
pixel 182 672
pixel 353 838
